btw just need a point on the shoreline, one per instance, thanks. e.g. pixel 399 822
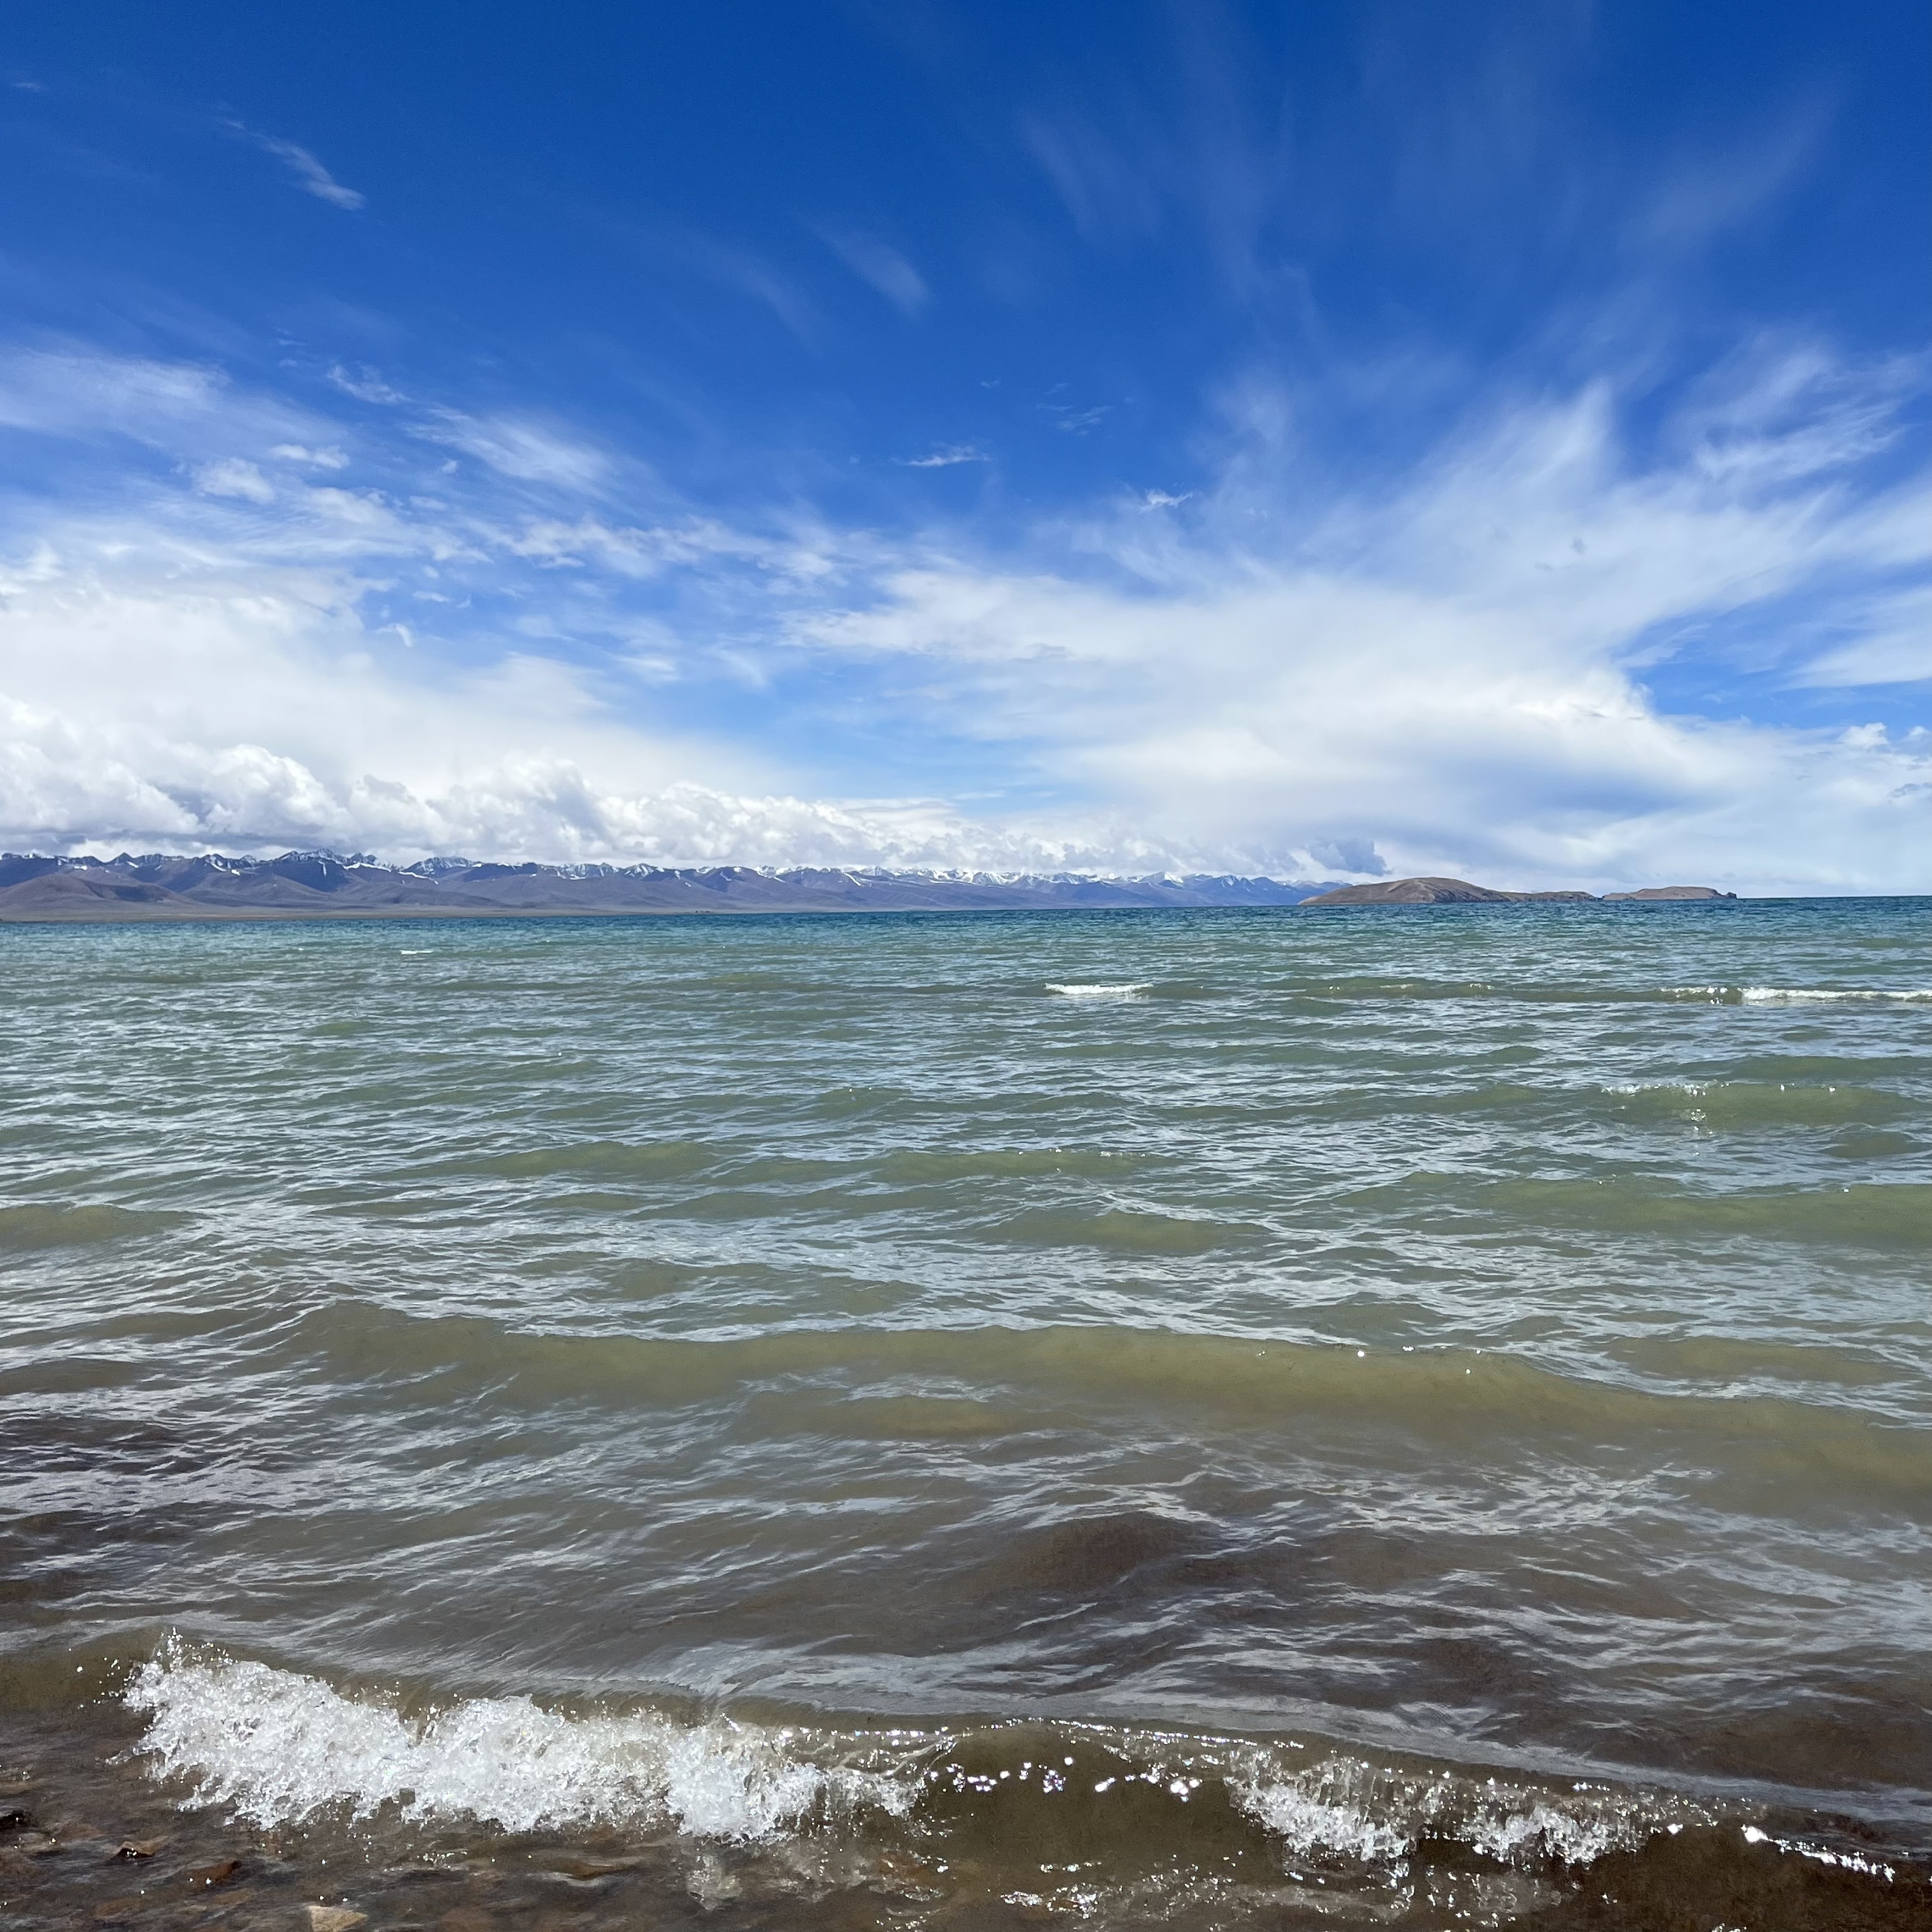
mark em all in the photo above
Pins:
pixel 111 1820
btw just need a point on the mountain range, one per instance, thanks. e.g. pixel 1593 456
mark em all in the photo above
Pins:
pixel 157 885
pixel 300 885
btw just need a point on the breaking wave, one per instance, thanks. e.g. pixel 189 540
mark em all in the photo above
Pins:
pixel 1803 996
pixel 1346 1810
pixel 275 1747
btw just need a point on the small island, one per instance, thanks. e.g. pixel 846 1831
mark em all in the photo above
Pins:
pixel 1460 892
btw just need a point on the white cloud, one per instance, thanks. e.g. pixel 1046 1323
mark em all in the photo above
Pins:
pixel 519 446
pixel 1440 673
pixel 365 385
pixel 234 476
pixel 1891 644
pixel 751 274
pixel 1783 410
pixel 883 267
pixel 320 459
pixel 159 692
pixel 636 552
pixel 1703 195
pixel 309 172
pixel 947 456
pixel 1451 667
pixel 190 705
pixel 67 392
pixel 1073 421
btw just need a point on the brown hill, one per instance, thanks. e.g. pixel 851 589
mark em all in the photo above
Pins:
pixel 1460 892
pixel 1415 891
pixel 86 894
pixel 1653 892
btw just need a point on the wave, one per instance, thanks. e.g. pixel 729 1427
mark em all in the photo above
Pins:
pixel 1761 1103
pixel 1365 991
pixel 1134 989
pixel 1448 1395
pixel 1799 996
pixel 34 1225
pixel 1346 1809
pixel 278 1748
pixel 1802 996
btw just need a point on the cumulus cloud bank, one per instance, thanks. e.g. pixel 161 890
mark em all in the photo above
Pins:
pixel 434 631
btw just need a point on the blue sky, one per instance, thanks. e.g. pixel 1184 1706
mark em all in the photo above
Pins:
pixel 1314 440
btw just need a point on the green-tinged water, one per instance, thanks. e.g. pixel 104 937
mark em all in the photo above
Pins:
pixel 1416 1415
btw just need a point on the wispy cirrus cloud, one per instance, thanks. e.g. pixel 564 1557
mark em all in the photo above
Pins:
pixel 945 456
pixel 310 174
pixel 880 266
pixel 1073 420
pixel 365 385
pixel 750 273
pixel 520 446
pixel 327 458
pixel 76 390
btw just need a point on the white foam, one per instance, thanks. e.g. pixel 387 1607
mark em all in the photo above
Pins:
pixel 1133 990
pixel 1802 996
pixel 1343 1809
pixel 1848 1861
pixel 1799 996
pixel 276 1746
pixel 1310 1826
pixel 1514 1833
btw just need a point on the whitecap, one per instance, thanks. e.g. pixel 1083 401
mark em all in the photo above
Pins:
pixel 1347 1811
pixel 1797 996
pixel 276 1746
pixel 1129 990
pixel 1801 996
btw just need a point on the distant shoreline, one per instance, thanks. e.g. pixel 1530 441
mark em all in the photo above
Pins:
pixel 163 890
pixel 432 915
pixel 309 885
pixel 1460 892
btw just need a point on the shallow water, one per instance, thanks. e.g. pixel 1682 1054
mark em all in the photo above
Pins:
pixel 1414 1415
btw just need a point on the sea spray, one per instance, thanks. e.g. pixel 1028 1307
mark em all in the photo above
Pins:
pixel 275 1747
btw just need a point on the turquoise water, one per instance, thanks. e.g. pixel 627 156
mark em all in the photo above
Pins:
pixel 747 1384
